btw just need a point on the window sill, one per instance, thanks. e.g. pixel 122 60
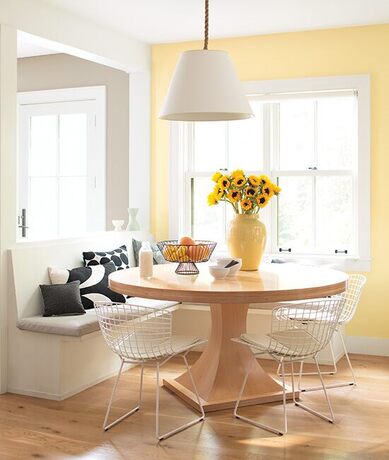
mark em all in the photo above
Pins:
pixel 344 263
pixel 31 242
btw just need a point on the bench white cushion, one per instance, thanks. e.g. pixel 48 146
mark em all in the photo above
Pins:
pixel 79 325
pixel 76 326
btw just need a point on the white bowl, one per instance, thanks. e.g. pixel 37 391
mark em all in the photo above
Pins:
pixel 222 262
pixel 235 268
pixel 218 272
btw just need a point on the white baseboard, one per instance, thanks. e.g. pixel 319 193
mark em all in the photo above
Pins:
pixel 368 345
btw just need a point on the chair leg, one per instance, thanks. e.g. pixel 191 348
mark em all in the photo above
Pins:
pixel 337 385
pixel 348 361
pixel 252 422
pixel 127 414
pixel 308 409
pixel 161 437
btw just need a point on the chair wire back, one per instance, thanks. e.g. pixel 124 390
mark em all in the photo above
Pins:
pixel 135 333
pixel 306 329
pixel 351 297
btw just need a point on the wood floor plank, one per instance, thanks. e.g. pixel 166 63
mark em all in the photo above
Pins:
pixel 33 428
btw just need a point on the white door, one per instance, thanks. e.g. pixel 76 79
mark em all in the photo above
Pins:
pixel 61 167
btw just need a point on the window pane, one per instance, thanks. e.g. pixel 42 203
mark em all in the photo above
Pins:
pixel 72 205
pixel 295 213
pixel 337 132
pixel 245 139
pixel 334 213
pixel 209 146
pixel 43 145
pixel 297 129
pixel 207 221
pixel 42 212
pixel 73 144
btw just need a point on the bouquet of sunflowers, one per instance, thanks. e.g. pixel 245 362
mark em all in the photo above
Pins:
pixel 246 194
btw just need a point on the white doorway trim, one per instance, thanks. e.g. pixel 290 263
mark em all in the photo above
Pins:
pixel 89 100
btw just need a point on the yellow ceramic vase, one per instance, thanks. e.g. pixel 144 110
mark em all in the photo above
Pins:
pixel 246 239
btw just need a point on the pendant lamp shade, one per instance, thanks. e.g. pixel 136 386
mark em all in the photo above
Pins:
pixel 205 87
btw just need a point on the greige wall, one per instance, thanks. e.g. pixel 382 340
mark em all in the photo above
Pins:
pixel 57 71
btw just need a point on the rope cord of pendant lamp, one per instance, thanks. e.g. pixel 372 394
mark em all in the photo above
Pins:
pixel 206 24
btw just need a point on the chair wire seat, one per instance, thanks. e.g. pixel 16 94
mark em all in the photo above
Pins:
pixel 294 339
pixel 143 335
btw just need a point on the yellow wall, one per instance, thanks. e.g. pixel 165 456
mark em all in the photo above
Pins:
pixel 357 50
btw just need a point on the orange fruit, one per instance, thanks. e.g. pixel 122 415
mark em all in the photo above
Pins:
pixel 186 240
pixel 194 252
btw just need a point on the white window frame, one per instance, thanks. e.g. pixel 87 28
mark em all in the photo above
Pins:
pixel 360 260
pixel 97 175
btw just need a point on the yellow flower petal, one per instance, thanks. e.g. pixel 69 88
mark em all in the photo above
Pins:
pixel 239 181
pixel 246 205
pixel 237 172
pixel 212 199
pixel 234 196
pixel 218 191
pixel 217 176
pixel 262 200
pixel 224 182
pixel 254 180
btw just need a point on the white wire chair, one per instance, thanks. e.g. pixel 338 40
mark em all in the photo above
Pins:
pixel 143 335
pixel 291 340
pixel 351 298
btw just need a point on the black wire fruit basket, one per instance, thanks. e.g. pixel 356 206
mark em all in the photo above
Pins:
pixel 186 255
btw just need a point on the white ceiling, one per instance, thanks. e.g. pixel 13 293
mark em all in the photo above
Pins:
pixel 160 21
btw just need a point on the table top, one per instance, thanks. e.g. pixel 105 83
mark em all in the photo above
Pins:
pixel 271 283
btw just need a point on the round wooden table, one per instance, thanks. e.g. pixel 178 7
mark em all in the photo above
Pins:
pixel 221 367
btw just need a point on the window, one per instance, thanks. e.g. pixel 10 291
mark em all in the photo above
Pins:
pixel 312 138
pixel 61 162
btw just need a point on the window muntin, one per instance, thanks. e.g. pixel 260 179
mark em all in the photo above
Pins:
pixel 345 137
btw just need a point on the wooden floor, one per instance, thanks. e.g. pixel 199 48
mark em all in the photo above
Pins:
pixel 32 428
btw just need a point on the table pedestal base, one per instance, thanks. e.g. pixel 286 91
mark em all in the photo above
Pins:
pixel 220 370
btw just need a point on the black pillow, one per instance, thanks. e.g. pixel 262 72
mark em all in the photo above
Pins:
pixel 118 256
pixel 62 299
pixel 157 254
pixel 93 283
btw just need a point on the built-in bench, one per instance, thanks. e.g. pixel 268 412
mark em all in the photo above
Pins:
pixel 56 357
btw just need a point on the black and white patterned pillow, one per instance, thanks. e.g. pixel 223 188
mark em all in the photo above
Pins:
pixel 93 283
pixel 118 256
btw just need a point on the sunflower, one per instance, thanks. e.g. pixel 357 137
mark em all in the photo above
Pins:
pixel 251 191
pixel 212 199
pixel 264 180
pixel 218 191
pixel 224 182
pixel 246 204
pixel 262 200
pixel 276 189
pixel 254 181
pixel 234 196
pixel 239 181
pixel 268 190
pixel 217 176
pixel 237 173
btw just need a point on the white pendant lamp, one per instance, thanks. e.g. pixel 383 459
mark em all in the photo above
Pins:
pixel 205 87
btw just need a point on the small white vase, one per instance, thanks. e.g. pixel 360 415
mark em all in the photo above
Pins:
pixel 118 225
pixel 133 224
